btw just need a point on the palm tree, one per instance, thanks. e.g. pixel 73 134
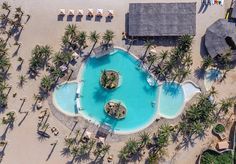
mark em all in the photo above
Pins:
pixel 123 154
pixel 187 61
pixel 132 146
pixel 185 43
pixel 3 99
pixel 83 149
pixel 22 80
pixel 3 17
pixel 163 55
pixel 197 128
pixel 105 149
pixel 36 97
pixel 19 10
pixel 4 63
pixel 108 36
pixel 212 91
pixel 56 73
pixel 225 105
pixel 69 142
pixel 46 83
pixel 81 38
pixel 184 74
pixel 207 62
pixel 10 118
pixel 151 59
pixel 144 139
pixel 6 6
pixel 147 44
pixel 71 30
pixel 94 37
pixel 165 129
pixel 74 151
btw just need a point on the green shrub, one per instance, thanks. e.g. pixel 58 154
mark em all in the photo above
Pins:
pixel 219 128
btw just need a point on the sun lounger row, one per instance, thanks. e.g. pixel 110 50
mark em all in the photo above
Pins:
pixel 90 12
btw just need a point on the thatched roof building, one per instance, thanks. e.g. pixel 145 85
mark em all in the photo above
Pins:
pixel 233 13
pixel 220 38
pixel 162 19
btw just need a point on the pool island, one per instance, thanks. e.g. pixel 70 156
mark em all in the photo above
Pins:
pixel 109 79
pixel 115 109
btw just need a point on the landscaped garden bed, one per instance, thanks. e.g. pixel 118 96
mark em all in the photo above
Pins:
pixel 210 156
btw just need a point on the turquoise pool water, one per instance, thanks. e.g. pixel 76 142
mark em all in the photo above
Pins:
pixel 134 92
pixel 171 99
pixel 65 96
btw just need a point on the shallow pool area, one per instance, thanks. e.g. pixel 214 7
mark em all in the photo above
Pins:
pixel 64 97
pixel 171 100
pixel 144 102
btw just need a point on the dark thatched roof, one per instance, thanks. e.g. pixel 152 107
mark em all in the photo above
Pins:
pixel 233 14
pixel 162 19
pixel 216 36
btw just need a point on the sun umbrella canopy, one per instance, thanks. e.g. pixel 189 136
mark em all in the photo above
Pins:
pixel 110 13
pixel 62 12
pixel 99 12
pixel 80 12
pixel 71 12
pixel 90 12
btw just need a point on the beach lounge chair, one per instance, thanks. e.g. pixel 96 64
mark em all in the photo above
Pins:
pixel 56 132
pixel 110 13
pixel 80 12
pixel 90 13
pixel 99 13
pixel 62 12
pixel 71 12
pixel 53 129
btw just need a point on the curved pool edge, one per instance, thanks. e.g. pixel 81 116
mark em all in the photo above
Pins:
pixel 185 100
pixel 54 102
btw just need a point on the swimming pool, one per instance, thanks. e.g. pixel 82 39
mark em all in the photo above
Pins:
pixel 144 103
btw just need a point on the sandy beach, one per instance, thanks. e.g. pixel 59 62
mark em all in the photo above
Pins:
pixel 24 146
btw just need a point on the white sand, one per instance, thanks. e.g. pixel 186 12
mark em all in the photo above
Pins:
pixel 43 28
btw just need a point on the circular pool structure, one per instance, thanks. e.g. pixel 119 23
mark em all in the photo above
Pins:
pixel 144 102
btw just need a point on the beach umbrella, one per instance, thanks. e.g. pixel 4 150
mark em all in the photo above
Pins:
pixel 110 13
pixel 90 12
pixel 62 12
pixel 71 12
pixel 80 12
pixel 99 12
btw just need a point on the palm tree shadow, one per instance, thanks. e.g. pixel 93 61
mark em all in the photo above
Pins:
pixel 2 152
pixel 199 73
pixel 26 114
pixel 187 142
pixel 9 126
pixel 65 152
pixel 81 158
